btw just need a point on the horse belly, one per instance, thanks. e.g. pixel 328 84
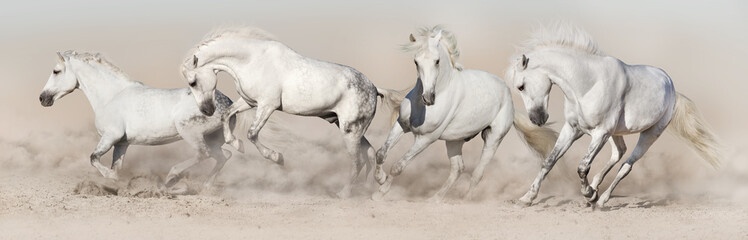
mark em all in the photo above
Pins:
pixel 464 126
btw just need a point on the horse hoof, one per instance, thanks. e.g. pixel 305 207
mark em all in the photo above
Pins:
pixel 524 202
pixel 278 159
pixel 594 197
pixel 172 179
pixel 377 196
pixel 587 192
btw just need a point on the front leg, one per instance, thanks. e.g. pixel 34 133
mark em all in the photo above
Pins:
pixel 392 139
pixel 105 143
pixel 597 143
pixel 261 117
pixel 239 106
pixel 421 142
pixel 567 136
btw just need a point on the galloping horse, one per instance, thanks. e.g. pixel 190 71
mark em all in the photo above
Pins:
pixel 128 112
pixel 604 98
pixel 454 104
pixel 270 76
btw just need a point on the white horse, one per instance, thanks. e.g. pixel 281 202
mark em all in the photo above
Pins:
pixel 454 105
pixel 604 98
pixel 270 76
pixel 129 112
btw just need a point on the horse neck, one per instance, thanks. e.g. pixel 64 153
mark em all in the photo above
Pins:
pixel 99 84
pixel 232 55
pixel 565 67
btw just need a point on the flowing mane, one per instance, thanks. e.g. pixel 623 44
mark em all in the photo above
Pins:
pixel 97 58
pixel 448 39
pixel 561 34
pixel 245 32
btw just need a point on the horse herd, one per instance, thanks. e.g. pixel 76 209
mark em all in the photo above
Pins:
pixel 604 98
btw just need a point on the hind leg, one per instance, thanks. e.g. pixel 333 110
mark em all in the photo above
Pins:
pixel 238 106
pixel 646 139
pixel 454 151
pixel 368 151
pixel 492 138
pixel 619 148
pixel 261 117
pixel 215 141
pixel 195 139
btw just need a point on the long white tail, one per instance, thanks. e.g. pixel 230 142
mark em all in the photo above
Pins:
pixel 391 99
pixel 540 139
pixel 688 124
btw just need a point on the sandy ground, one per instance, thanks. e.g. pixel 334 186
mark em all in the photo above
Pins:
pixel 50 191
pixel 45 206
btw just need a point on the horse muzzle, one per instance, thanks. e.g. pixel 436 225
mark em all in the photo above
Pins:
pixel 207 108
pixel 46 99
pixel 538 116
pixel 428 98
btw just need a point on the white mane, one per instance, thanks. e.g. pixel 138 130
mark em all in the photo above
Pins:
pixel 561 34
pixel 448 39
pixel 245 32
pixel 96 58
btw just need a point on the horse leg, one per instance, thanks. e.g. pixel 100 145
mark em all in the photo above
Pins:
pixel 492 138
pixel 353 145
pixel 567 136
pixel 197 141
pixel 261 117
pixel 454 151
pixel 617 151
pixel 597 143
pixel 392 139
pixel 421 142
pixel 118 156
pixel 215 141
pixel 369 156
pixel 646 139
pixel 105 143
pixel 230 139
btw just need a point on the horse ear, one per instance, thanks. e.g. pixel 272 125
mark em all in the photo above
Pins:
pixel 60 58
pixel 412 38
pixel 194 61
pixel 524 62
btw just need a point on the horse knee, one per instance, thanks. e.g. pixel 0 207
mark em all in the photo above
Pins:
pixel 381 154
pixel 583 170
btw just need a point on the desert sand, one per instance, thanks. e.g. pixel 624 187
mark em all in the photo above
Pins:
pixel 44 196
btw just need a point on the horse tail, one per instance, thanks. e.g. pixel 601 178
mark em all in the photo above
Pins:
pixel 391 99
pixel 688 125
pixel 540 139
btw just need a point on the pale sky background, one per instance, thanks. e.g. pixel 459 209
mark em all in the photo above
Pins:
pixel 703 45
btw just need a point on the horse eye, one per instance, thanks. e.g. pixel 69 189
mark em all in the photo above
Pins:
pixel 416 62
pixel 193 84
pixel 521 87
pixel 437 62
pixel 55 72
